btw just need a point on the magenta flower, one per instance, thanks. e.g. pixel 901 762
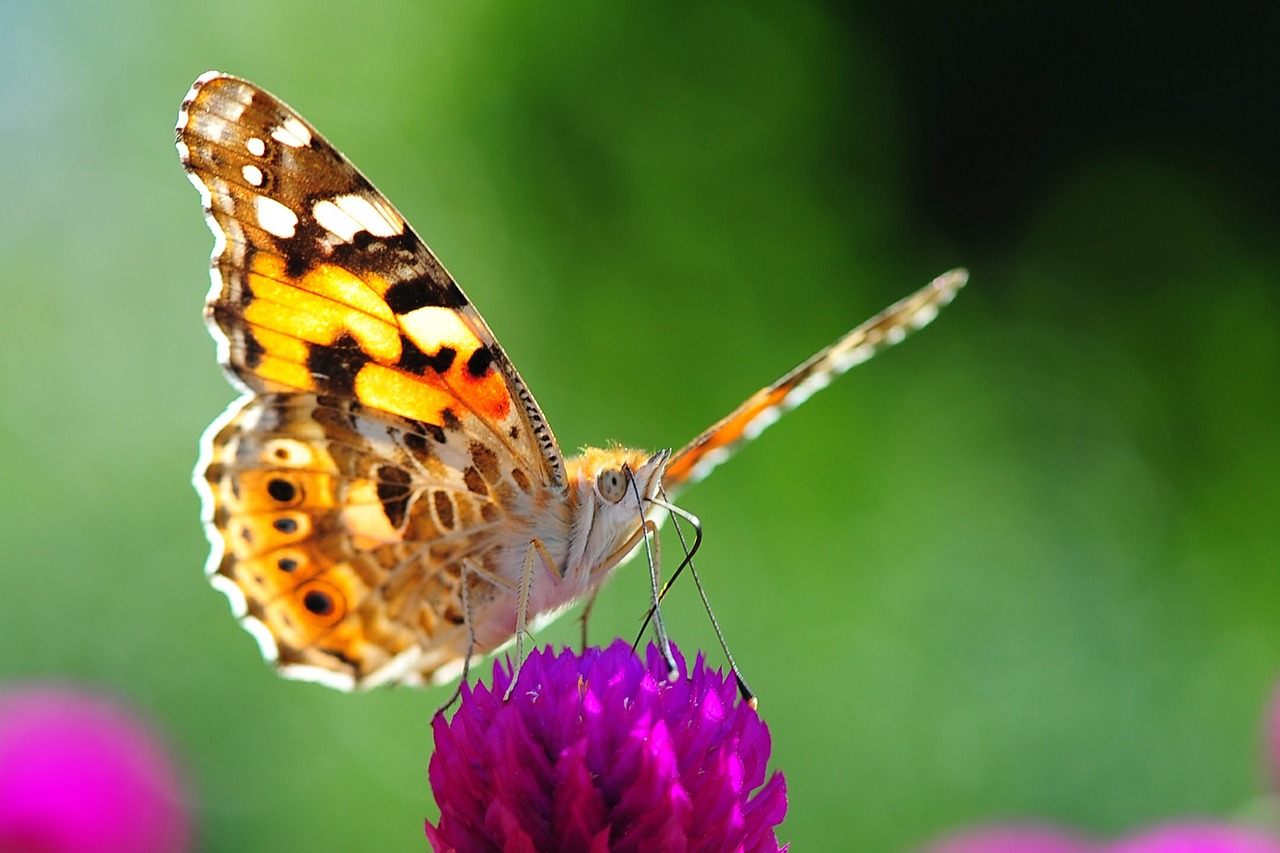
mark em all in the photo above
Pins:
pixel 602 753
pixel 78 774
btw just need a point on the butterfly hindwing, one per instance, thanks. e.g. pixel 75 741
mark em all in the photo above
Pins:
pixel 339 536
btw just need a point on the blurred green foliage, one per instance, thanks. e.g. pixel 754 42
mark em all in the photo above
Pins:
pixel 1019 567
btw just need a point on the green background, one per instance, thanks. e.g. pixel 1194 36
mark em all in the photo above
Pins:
pixel 1025 565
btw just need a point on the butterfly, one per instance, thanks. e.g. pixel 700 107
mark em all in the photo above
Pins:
pixel 386 499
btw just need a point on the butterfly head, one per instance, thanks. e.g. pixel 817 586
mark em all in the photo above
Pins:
pixel 611 488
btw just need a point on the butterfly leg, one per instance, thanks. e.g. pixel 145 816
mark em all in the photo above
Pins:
pixel 586 614
pixel 536 548
pixel 469 568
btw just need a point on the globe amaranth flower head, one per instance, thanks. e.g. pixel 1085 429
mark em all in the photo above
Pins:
pixel 600 752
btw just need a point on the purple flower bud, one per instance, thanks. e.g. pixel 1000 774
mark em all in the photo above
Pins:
pixel 79 775
pixel 601 752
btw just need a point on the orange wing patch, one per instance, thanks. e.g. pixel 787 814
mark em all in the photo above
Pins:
pixel 331 331
pixel 736 429
pixel 322 304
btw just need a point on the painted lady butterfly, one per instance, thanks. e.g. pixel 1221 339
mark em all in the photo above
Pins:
pixel 386 497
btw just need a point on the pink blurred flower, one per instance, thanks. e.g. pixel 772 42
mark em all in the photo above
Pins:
pixel 1198 838
pixel 1177 837
pixel 79 774
pixel 1171 838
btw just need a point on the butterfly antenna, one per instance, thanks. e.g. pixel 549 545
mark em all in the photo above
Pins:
pixel 659 627
pixel 662 593
pixel 684 546
pixel 744 690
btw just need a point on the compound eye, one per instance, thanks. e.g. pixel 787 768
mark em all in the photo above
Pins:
pixel 611 484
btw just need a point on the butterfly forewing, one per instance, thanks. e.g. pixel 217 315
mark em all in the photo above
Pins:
pixel 321 286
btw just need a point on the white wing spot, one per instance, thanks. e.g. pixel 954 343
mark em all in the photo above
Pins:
pixel 335 220
pixel 924 316
pixel 708 463
pixel 853 357
pixel 292 133
pixel 235 110
pixel 812 385
pixel 220 197
pixel 236 97
pixel 346 215
pixel 212 127
pixel 256 146
pixel 761 422
pixel 431 326
pixel 252 174
pixel 275 218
